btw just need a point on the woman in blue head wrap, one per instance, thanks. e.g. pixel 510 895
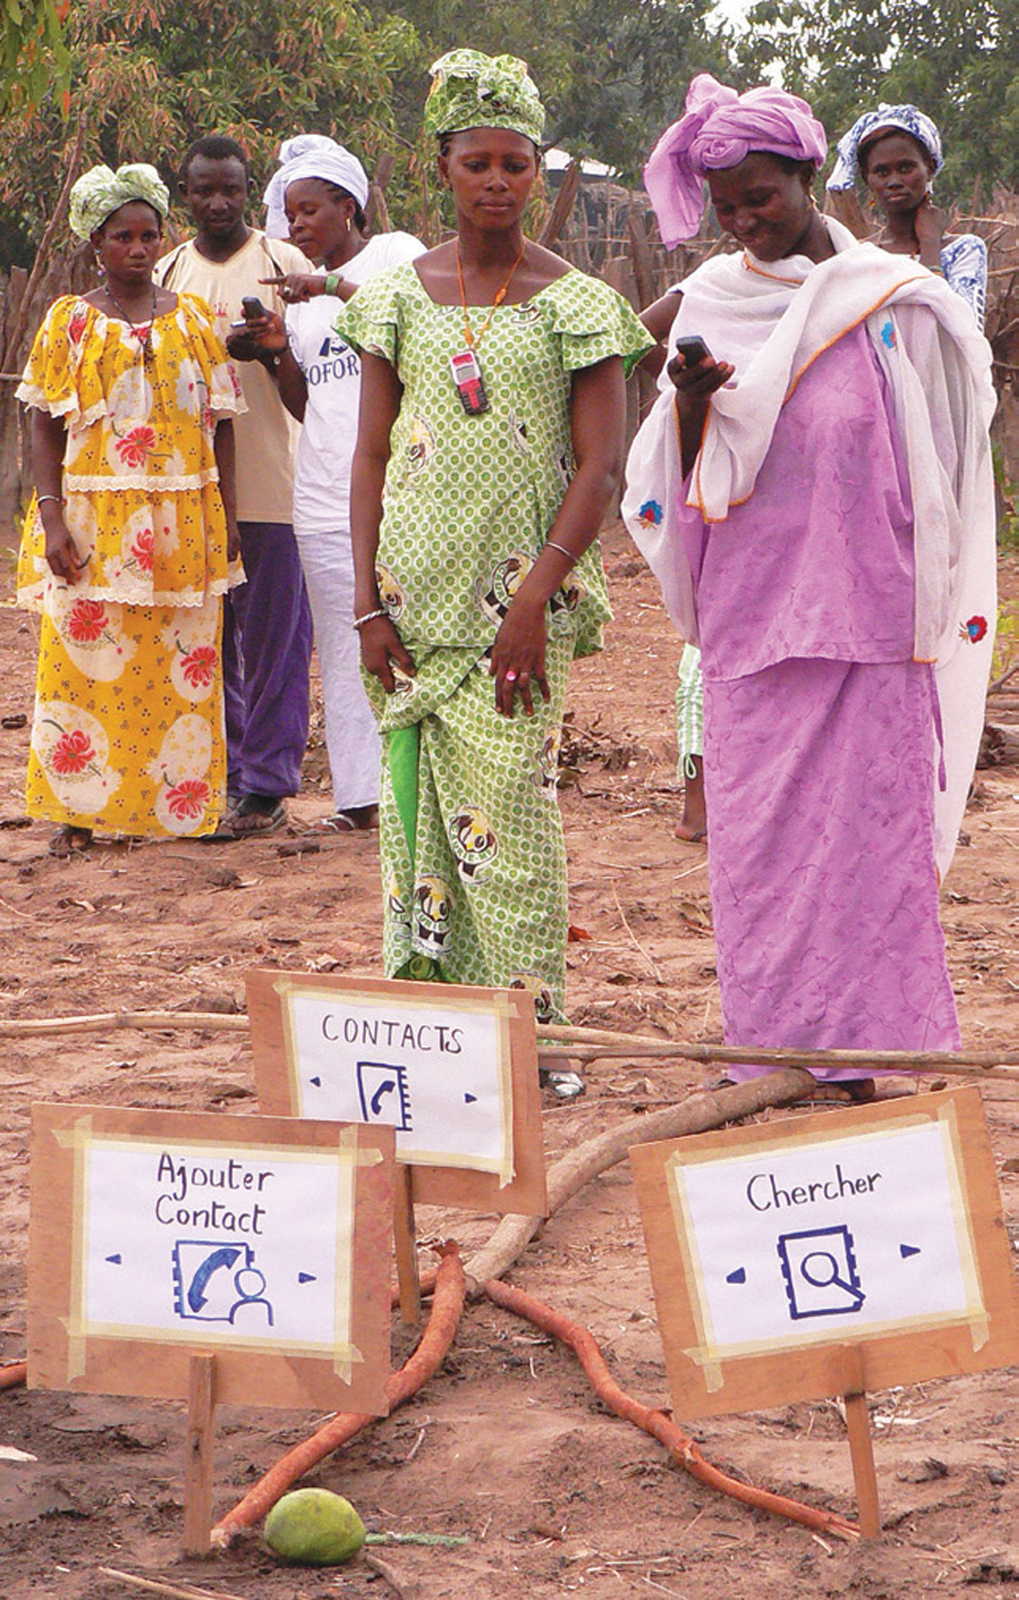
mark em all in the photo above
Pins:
pixel 896 150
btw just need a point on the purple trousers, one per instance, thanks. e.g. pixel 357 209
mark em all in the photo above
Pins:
pixel 820 790
pixel 267 638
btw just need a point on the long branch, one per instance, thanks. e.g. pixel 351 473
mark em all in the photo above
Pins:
pixel 592 1042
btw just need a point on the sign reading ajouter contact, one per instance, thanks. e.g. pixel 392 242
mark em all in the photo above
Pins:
pixel 453 1069
pixel 158 1236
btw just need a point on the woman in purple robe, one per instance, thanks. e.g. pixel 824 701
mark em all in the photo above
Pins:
pixel 815 497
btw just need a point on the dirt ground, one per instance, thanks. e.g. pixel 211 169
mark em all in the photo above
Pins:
pixel 508 1445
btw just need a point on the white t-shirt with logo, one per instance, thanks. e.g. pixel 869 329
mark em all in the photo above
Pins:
pixel 332 372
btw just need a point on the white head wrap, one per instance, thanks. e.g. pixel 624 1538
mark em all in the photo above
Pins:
pixel 886 119
pixel 311 155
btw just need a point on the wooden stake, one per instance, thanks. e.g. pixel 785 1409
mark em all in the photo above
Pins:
pixel 200 1446
pixel 861 1445
pixel 405 1235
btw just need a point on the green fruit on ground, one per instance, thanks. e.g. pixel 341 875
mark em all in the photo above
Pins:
pixel 314 1526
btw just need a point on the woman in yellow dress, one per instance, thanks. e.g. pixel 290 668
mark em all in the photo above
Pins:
pixel 130 537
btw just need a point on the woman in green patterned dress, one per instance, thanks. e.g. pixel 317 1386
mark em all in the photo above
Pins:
pixel 490 444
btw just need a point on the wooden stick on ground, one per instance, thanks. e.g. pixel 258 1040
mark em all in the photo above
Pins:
pixel 14 1375
pixel 603 1041
pixel 593 1043
pixel 679 1445
pixel 439 1333
pixel 111 1021
pixel 400 1586
pixel 179 1591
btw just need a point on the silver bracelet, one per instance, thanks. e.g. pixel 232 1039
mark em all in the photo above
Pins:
pixel 41 497
pixel 369 616
pixel 563 551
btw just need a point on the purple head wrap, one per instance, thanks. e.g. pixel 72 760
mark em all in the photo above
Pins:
pixel 719 130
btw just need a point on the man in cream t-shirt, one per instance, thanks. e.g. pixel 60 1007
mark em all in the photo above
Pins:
pixel 267 630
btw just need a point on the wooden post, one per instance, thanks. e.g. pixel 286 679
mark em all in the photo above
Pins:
pixel 200 1443
pixel 861 1446
pixel 405 1236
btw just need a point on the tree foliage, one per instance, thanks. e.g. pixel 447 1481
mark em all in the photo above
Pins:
pixel 149 76
pixel 145 77
pixel 612 73
pixel 958 60
pixel 33 57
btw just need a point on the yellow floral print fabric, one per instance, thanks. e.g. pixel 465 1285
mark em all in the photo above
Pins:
pixel 128 733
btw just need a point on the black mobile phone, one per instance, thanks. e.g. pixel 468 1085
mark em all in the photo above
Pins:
pixel 692 348
pixel 252 306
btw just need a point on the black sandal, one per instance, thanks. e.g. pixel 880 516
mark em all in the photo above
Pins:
pixel 70 839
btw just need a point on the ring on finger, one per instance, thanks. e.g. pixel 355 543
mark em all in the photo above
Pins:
pixel 510 676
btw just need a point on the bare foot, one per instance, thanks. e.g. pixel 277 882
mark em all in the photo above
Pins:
pixel 688 834
pixel 692 827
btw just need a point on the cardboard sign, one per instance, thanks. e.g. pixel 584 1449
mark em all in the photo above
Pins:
pixel 774 1247
pixel 451 1069
pixel 155 1235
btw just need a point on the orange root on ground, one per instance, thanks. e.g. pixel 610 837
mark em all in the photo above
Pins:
pixel 440 1329
pixel 679 1445
pixel 14 1375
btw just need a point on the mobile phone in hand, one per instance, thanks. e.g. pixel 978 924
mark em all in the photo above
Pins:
pixel 252 307
pixel 693 349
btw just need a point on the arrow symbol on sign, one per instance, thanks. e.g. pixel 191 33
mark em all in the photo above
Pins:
pixel 469 1099
pixel 306 1277
pixel 739 1276
pixel 907 1250
pixel 317 1082
pixel 116 1260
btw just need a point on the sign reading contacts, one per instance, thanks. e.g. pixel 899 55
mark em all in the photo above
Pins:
pixel 773 1245
pixel 451 1069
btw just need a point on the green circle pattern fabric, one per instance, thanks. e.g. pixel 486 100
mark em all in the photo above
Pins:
pixel 467 505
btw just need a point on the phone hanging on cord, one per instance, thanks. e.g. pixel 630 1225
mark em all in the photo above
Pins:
pixel 470 385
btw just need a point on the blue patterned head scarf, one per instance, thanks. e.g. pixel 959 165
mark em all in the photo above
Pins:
pixel 101 191
pixel 472 90
pixel 886 119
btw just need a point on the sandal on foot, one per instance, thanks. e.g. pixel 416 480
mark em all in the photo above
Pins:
pixel 256 814
pixel 842 1091
pixel 70 840
pixel 224 832
pixel 564 1085
pixel 359 819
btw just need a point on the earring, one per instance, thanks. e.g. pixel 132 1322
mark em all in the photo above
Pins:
pixel 348 224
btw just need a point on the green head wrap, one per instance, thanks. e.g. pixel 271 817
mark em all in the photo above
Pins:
pixel 100 192
pixel 472 90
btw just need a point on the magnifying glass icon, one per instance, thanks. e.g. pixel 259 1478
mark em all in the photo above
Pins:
pixel 821 1270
